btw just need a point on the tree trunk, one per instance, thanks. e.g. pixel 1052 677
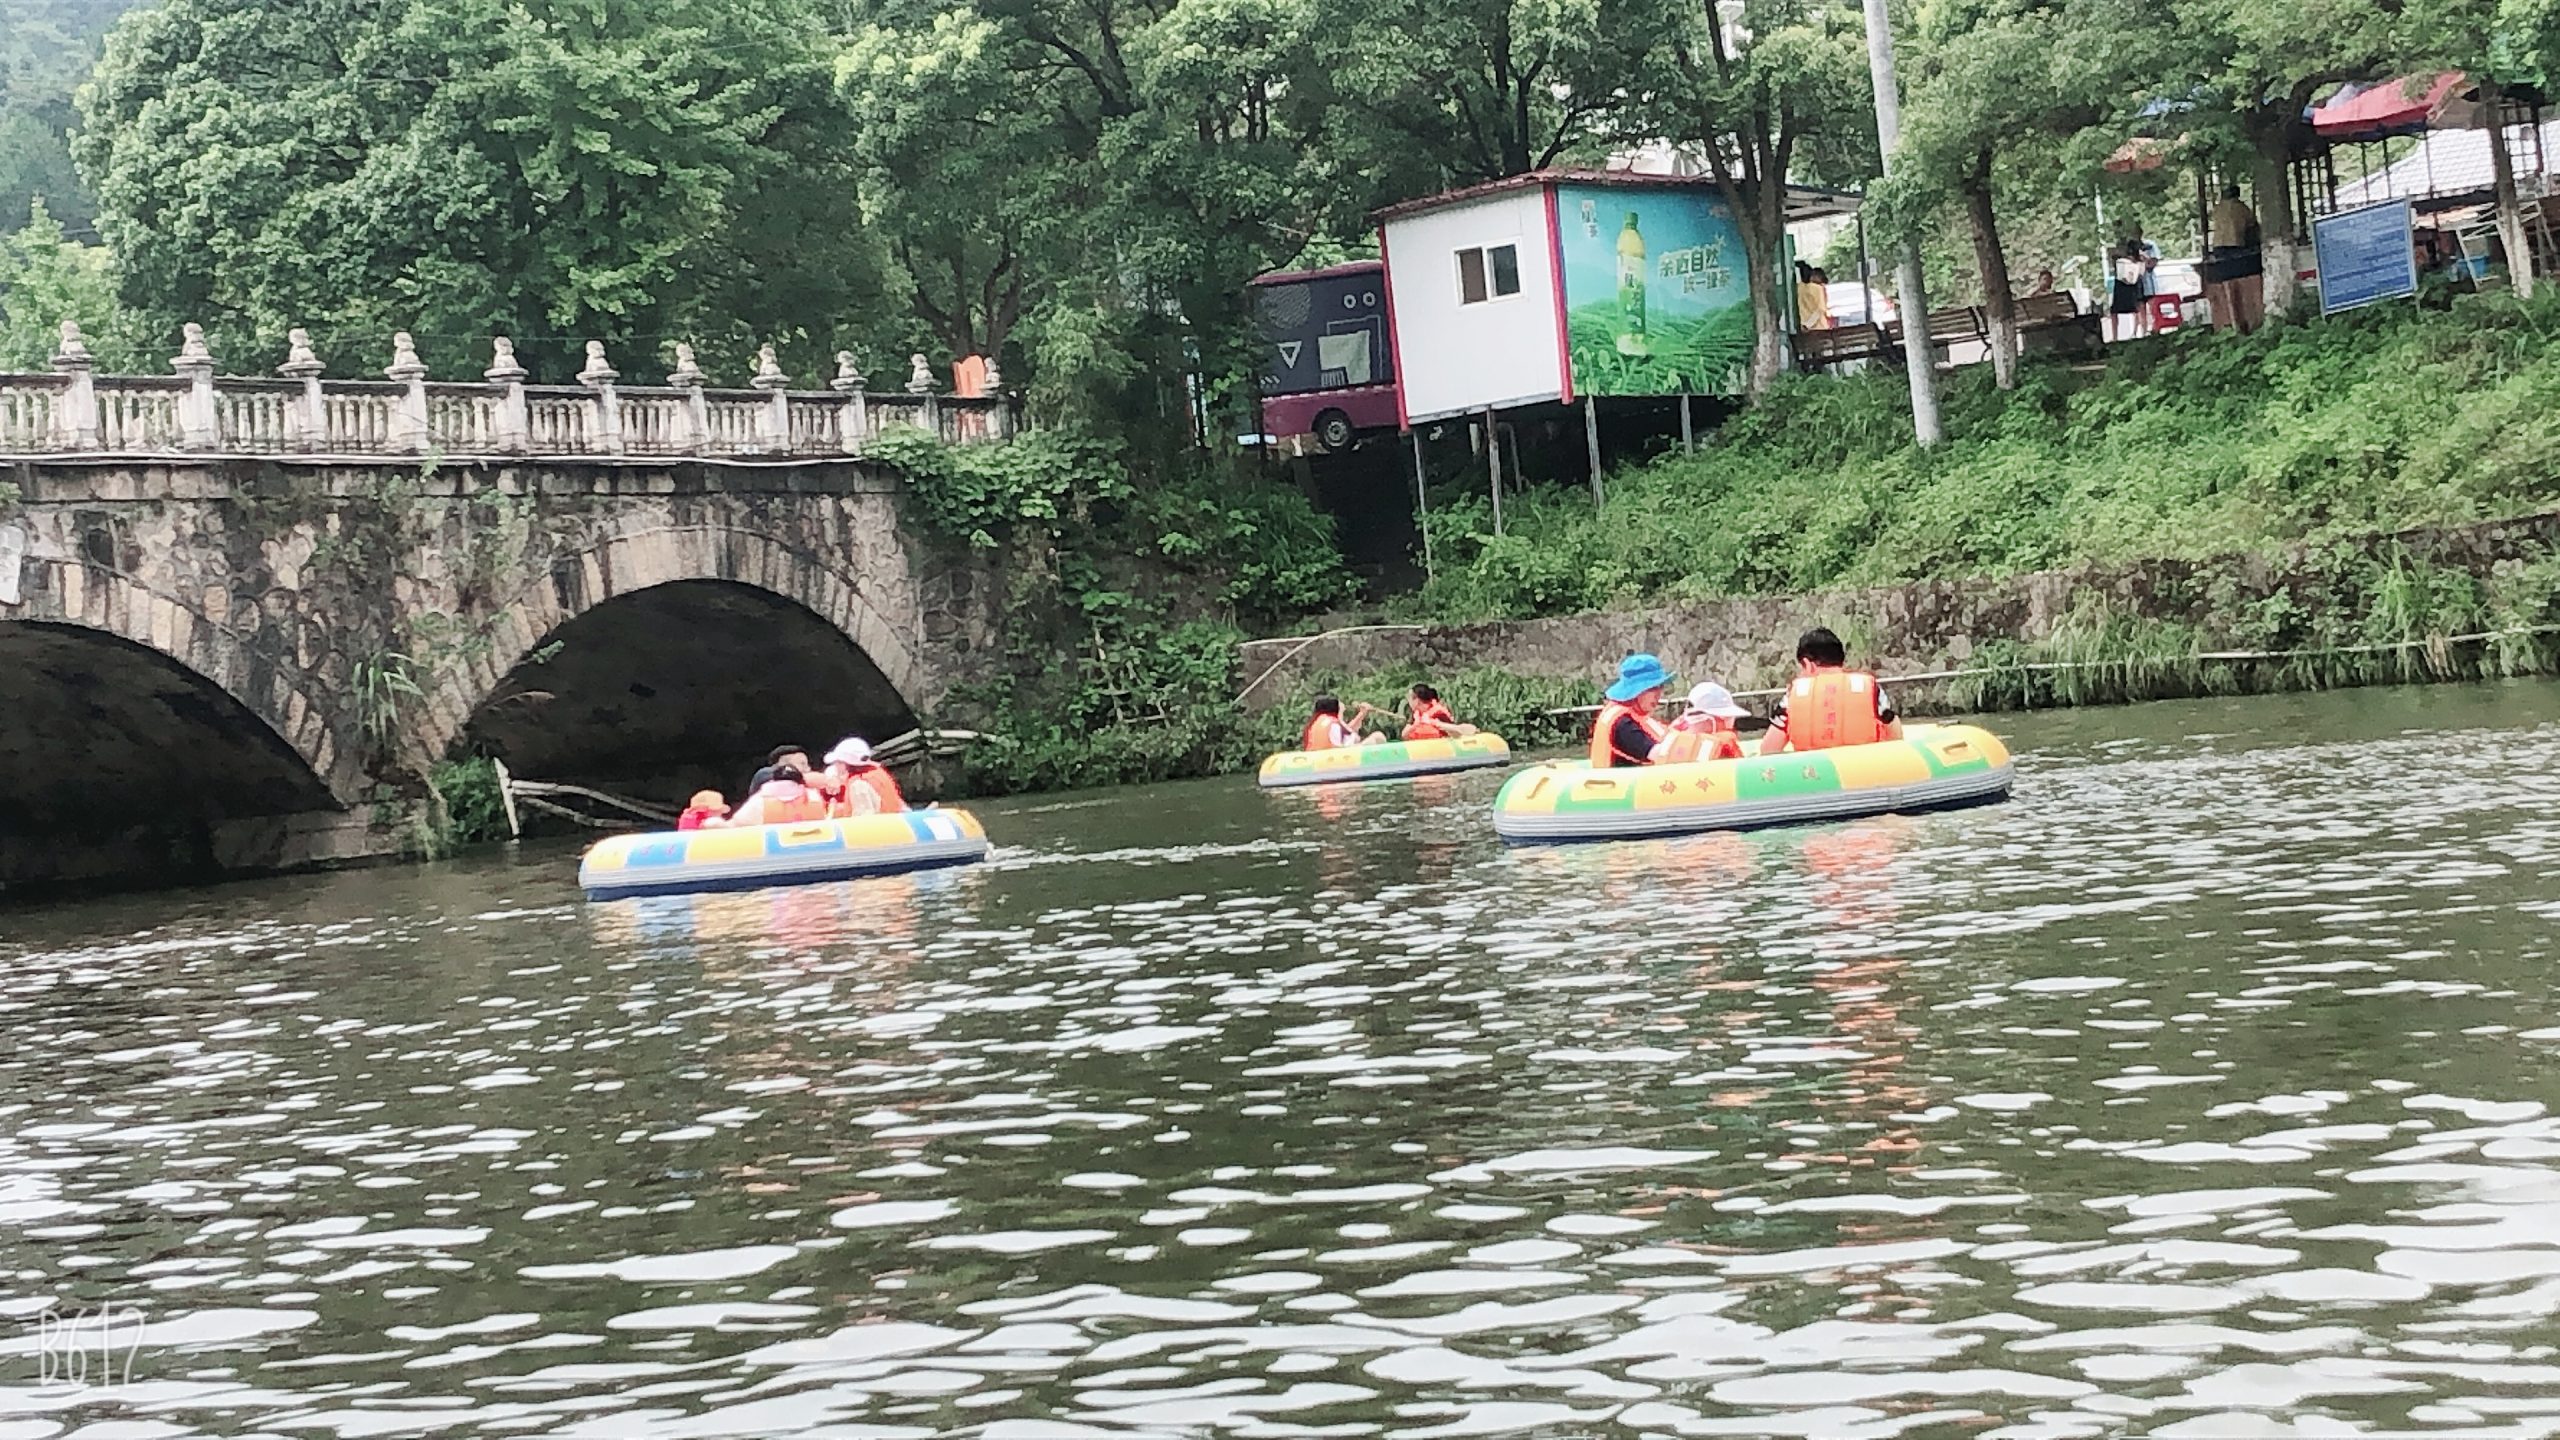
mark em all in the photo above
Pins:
pixel 1768 330
pixel 2502 170
pixel 1997 306
pixel 2270 147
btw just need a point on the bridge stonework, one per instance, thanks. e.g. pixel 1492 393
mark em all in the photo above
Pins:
pixel 361 611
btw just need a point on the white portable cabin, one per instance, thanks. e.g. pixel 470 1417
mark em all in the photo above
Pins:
pixel 1471 282
pixel 1559 285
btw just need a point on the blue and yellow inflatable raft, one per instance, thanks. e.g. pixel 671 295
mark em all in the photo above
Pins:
pixel 1389 760
pixel 676 862
pixel 1933 767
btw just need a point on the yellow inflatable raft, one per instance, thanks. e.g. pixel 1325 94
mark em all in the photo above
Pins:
pixel 1388 760
pixel 1933 767
pixel 674 862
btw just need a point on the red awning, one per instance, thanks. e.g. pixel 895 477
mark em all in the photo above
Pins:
pixel 2394 107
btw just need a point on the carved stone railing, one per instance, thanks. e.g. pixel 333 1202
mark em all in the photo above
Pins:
pixel 74 410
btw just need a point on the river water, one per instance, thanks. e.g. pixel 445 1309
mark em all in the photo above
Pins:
pixel 2206 1088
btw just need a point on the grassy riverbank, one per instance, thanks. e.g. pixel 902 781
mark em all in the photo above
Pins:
pixel 2198 447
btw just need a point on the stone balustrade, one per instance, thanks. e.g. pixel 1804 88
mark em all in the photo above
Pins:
pixel 74 410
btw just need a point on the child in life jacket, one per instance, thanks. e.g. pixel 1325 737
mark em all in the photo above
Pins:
pixel 706 810
pixel 1829 705
pixel 855 784
pixel 1431 718
pixel 784 800
pixel 1327 730
pixel 1705 730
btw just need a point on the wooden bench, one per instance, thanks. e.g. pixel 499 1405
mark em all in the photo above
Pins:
pixel 1950 326
pixel 2052 321
pixel 1839 345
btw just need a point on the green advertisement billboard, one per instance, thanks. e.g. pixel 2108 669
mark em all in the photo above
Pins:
pixel 1656 292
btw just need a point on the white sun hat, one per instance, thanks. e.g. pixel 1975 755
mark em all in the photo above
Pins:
pixel 1713 699
pixel 849 751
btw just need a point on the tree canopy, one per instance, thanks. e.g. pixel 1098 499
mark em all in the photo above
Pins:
pixel 1081 189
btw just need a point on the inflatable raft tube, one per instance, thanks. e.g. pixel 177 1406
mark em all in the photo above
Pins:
pixel 1390 760
pixel 680 862
pixel 1934 767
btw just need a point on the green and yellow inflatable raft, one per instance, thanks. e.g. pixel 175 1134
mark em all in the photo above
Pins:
pixel 750 857
pixel 1933 767
pixel 1391 760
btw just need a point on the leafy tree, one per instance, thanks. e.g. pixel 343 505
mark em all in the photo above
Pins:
pixel 1480 88
pixel 2244 74
pixel 1998 86
pixel 1765 91
pixel 46 47
pixel 554 169
pixel 46 279
pixel 1102 179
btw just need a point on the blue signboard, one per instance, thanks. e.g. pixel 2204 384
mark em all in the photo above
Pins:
pixel 2364 255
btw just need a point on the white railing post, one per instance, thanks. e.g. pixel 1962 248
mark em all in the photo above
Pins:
pixel 599 377
pixel 75 416
pixel 857 406
pixel 305 420
pixel 687 376
pixel 198 424
pixel 999 419
pixel 773 422
pixel 514 428
pixel 409 409
pixel 920 385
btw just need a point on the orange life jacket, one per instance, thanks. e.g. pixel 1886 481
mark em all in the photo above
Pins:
pixel 1831 708
pixel 1429 719
pixel 1603 754
pixel 803 807
pixel 1319 733
pixel 1709 737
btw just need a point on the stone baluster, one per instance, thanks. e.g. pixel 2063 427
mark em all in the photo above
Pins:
pixel 409 434
pixel 687 376
pixel 856 421
pixel 920 385
pixel 999 419
pixel 599 377
pixel 306 422
pixel 199 426
pixel 773 425
pixel 75 418
pixel 514 426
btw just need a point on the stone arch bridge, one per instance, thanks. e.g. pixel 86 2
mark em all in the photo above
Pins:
pixel 239 618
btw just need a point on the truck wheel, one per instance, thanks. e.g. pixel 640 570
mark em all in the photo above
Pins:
pixel 1333 430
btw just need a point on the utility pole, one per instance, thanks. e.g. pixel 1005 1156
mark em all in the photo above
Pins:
pixel 1919 361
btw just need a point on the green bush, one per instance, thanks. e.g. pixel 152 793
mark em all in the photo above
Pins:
pixel 2212 444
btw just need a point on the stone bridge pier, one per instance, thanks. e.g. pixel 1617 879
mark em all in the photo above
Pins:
pixel 222 660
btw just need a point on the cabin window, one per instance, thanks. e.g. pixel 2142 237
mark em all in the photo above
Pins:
pixel 1488 273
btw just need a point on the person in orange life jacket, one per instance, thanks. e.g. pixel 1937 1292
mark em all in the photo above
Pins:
pixel 1829 704
pixel 791 755
pixel 1705 730
pixel 1627 728
pixel 705 811
pixel 784 800
pixel 1431 719
pixel 1327 730
pixel 855 784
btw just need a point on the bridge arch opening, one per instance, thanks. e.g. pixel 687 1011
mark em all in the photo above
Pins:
pixel 681 686
pixel 119 763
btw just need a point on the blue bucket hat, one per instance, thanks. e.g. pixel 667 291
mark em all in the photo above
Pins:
pixel 1636 675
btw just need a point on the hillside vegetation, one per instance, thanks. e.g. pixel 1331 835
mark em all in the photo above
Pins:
pixel 2201 445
